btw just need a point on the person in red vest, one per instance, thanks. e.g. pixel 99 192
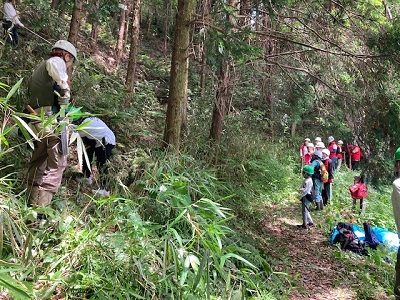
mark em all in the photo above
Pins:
pixel 309 154
pixel 339 154
pixel 332 147
pixel 355 156
pixel 359 191
pixel 304 151
pixel 329 166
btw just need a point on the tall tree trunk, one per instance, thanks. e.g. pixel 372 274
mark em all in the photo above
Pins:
pixel 135 31
pixel 224 94
pixel 245 13
pixel 206 8
pixel 95 27
pixel 55 4
pixel 75 22
pixel 127 22
pixel 74 27
pixel 120 42
pixel 166 26
pixel 221 103
pixel 179 74
pixel 150 20
pixel 388 12
pixel 269 46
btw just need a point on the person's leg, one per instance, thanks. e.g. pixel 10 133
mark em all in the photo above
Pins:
pixel 397 280
pixel 334 163
pixel 339 164
pixel 324 195
pixel 37 164
pixel 90 150
pixel 7 25
pixel 55 165
pixel 328 189
pixel 103 154
pixel 14 34
pixel 318 194
pixel 308 219
pixel 45 171
pixel 303 214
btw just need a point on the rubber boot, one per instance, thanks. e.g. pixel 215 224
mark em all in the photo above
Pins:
pixel 320 205
pixel 45 198
pixel 33 194
pixel 40 197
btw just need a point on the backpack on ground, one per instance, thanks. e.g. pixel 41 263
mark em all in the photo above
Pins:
pixel 371 239
pixel 348 239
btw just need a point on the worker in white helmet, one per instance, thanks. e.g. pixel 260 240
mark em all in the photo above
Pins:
pixel 49 89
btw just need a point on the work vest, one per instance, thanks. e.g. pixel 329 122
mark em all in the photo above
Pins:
pixel 356 156
pixel 332 150
pixel 41 88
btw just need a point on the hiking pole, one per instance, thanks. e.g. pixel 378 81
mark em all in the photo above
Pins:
pixel 37 35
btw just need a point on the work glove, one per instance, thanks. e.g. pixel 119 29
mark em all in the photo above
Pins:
pixel 63 100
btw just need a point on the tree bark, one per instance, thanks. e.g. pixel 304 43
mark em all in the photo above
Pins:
pixel 75 22
pixel 127 22
pixel 95 27
pixel 135 31
pixel 206 6
pixel 224 94
pixel 120 42
pixel 388 12
pixel 167 26
pixel 55 4
pixel 221 103
pixel 179 74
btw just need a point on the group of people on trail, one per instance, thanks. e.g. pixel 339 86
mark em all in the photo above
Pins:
pixel 49 95
pixel 310 187
pixel 318 168
pixel 319 165
pixel 351 154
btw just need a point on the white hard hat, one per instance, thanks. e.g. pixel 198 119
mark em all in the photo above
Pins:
pixel 307 139
pixel 318 139
pixel 330 139
pixel 320 145
pixel 67 46
pixel 326 151
pixel 340 142
pixel 318 153
pixel 310 145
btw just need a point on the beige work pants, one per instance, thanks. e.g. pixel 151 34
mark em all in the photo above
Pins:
pixel 47 164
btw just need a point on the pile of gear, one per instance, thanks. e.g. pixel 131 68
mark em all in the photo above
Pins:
pixel 355 239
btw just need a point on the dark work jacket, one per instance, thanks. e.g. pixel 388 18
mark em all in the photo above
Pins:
pixel 41 88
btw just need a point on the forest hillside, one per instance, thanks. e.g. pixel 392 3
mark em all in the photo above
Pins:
pixel 209 102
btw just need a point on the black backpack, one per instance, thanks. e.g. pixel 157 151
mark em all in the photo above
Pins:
pixel 348 239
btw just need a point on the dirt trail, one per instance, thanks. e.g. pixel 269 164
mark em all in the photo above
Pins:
pixel 306 254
